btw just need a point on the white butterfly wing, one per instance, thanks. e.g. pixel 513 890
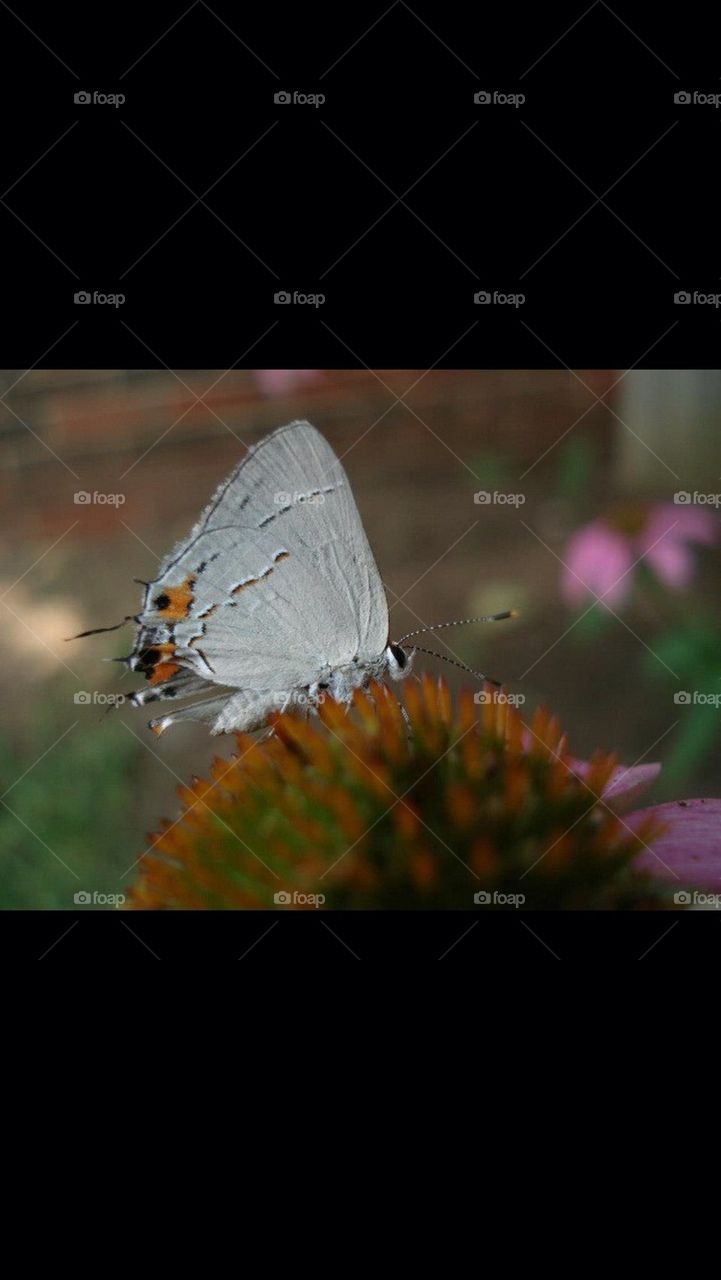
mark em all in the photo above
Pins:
pixel 277 581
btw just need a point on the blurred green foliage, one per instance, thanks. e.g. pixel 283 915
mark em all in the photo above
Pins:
pixel 691 650
pixel 494 469
pixel 71 832
pixel 578 462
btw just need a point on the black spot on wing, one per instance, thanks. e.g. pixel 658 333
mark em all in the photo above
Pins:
pixel 204 563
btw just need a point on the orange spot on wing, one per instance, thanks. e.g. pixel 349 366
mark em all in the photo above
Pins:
pixel 163 671
pixel 179 600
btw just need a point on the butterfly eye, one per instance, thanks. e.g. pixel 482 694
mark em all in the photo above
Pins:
pixel 399 654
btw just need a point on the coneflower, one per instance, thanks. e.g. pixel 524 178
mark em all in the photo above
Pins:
pixel 443 807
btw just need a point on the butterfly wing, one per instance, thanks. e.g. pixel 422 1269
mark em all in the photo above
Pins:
pixel 276 582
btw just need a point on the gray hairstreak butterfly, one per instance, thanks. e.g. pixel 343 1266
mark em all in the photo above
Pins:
pixel 273 599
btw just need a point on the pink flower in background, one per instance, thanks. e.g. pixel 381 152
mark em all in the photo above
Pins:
pixel 596 558
pixel 283 382
pixel 669 553
pixel 600 555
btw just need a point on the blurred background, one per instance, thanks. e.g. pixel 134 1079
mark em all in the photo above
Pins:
pixel 479 490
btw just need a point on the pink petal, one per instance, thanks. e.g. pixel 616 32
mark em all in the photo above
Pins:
pixel 691 523
pixel 625 785
pixel 596 560
pixel 665 540
pixel 689 849
pixel 281 382
pixel 672 562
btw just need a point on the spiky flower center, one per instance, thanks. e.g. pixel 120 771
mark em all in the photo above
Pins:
pixel 367 809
